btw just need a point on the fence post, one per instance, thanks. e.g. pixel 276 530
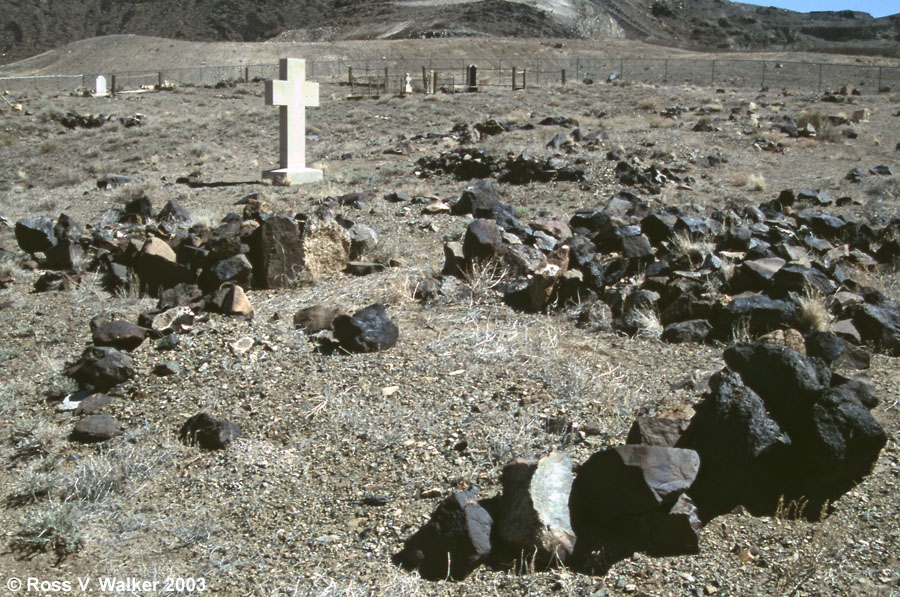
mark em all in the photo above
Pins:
pixel 712 77
pixel 763 74
pixel 350 76
pixel 246 74
pixel 621 68
pixel 666 71
pixel 563 77
pixel 434 81
pixel 425 80
pixel 385 80
pixel 159 80
pixel 879 79
pixel 819 87
pixel 112 87
pixel 524 78
pixel 578 69
pixel 514 78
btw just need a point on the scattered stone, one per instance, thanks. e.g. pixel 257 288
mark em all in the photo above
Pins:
pixel 35 235
pixel 96 428
pixel 739 445
pixel 276 253
pixel 455 541
pixel 482 241
pixel 208 432
pixel 111 181
pixel 93 404
pixel 787 381
pixel 167 368
pixel 367 330
pixel 176 320
pixel 101 368
pixel 326 246
pixel 657 431
pixel 119 334
pixel 533 515
pixel 232 300
pixel 315 319
pixel 694 330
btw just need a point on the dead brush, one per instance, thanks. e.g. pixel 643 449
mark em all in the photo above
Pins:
pixel 812 311
pixel 825 129
pixel 648 324
pixel 482 278
pixel 695 249
pixel 754 182
pixel 49 526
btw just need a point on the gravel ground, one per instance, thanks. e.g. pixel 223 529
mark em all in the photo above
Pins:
pixel 282 510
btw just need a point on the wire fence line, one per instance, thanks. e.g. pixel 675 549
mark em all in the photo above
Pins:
pixel 389 75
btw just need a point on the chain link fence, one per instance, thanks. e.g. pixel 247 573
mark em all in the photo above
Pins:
pixel 389 75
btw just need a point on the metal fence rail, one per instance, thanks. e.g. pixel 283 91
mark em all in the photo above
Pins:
pixel 494 72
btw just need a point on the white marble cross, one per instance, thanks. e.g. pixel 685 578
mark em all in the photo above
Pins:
pixel 292 93
pixel 100 86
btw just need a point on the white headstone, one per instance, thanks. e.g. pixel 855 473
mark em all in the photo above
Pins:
pixel 408 88
pixel 100 86
pixel 292 93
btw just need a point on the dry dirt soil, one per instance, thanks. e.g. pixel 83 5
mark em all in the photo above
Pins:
pixel 282 511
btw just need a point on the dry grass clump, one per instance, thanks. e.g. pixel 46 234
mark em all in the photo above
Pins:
pixel 885 188
pixel 695 249
pixel 484 277
pixel 825 129
pixel 812 312
pixel 649 103
pixel 648 324
pixel 54 526
pixel 754 182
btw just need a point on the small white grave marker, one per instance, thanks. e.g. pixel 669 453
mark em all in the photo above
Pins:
pixel 100 86
pixel 292 93
pixel 408 81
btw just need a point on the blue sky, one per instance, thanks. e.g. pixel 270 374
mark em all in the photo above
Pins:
pixel 876 8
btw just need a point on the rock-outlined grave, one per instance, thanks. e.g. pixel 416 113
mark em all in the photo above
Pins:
pixel 776 428
pixel 699 278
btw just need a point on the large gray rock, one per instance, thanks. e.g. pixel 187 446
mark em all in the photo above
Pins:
pixel 657 431
pixel 740 446
pixel 120 334
pixel 533 517
pixel 276 253
pixel 315 319
pixel 787 381
pixel 234 270
pixel 367 330
pixel 96 428
pixel 839 442
pixel 208 432
pixel 35 235
pixel 483 241
pixel 632 480
pixel 879 325
pixel 454 541
pixel 478 196
pixel 622 495
pixel 102 367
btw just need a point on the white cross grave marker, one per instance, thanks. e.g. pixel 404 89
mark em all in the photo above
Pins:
pixel 100 86
pixel 292 93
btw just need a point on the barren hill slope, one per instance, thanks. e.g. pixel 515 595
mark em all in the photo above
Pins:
pixel 33 26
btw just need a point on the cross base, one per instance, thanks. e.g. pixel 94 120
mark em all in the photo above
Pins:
pixel 292 176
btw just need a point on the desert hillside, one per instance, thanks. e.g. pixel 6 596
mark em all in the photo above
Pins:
pixel 32 26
